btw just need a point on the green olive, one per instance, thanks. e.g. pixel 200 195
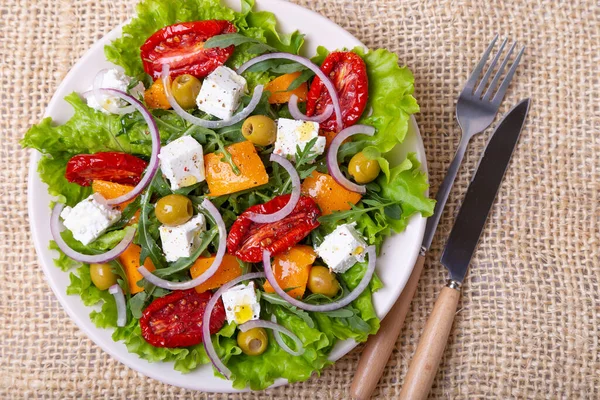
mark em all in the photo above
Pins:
pixel 185 89
pixel 102 276
pixel 260 129
pixel 362 169
pixel 322 281
pixel 253 342
pixel 174 209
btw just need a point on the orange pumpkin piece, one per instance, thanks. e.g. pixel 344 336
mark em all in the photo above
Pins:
pixel 228 270
pixel 155 96
pixel 329 195
pixel 130 259
pixel 278 88
pixel 222 180
pixel 291 270
pixel 111 190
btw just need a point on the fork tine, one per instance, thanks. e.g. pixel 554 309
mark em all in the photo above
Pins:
pixel 470 85
pixel 490 69
pixel 502 90
pixel 492 88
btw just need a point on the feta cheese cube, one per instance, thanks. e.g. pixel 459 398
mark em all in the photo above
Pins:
pixel 342 248
pixel 112 79
pixel 89 219
pixel 292 133
pixel 182 240
pixel 182 162
pixel 241 304
pixel 221 93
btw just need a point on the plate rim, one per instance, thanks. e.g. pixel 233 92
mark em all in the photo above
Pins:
pixel 42 247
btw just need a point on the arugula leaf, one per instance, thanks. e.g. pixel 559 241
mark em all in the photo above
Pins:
pixel 304 76
pixel 235 39
pixel 136 304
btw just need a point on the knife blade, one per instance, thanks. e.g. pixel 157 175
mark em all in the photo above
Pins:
pixel 481 193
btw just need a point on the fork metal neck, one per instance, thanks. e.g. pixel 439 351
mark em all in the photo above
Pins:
pixel 444 192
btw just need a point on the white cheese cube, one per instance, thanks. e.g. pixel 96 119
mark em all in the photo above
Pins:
pixel 88 220
pixel 292 133
pixel 342 248
pixel 182 240
pixel 112 79
pixel 182 162
pixel 221 93
pixel 241 304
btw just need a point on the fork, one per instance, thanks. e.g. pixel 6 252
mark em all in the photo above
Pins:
pixel 476 109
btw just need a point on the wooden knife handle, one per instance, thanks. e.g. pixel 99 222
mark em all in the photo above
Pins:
pixel 379 347
pixel 426 360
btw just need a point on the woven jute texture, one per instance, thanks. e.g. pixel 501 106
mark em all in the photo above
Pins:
pixel 528 324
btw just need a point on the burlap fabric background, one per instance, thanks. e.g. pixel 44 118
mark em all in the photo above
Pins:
pixel 529 320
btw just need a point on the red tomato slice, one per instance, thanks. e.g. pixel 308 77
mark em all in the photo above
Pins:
pixel 348 72
pixel 182 47
pixel 107 166
pixel 175 320
pixel 248 239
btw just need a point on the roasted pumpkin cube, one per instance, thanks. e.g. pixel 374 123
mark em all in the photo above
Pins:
pixel 328 194
pixel 291 270
pixel 229 269
pixel 220 176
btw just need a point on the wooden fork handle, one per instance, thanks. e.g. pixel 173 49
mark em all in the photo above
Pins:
pixel 379 347
pixel 426 360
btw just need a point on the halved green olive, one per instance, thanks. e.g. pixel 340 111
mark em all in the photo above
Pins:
pixel 102 276
pixel 260 129
pixel 185 89
pixel 253 342
pixel 322 281
pixel 174 209
pixel 362 169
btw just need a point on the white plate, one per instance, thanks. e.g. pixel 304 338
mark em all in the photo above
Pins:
pixel 394 266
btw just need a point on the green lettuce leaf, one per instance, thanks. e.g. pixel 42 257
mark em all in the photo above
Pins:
pixel 259 372
pixel 81 285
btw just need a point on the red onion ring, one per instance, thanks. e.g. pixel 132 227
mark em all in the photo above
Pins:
pixel 258 90
pixel 277 334
pixel 332 163
pixel 297 114
pixel 308 64
pixel 117 292
pixel 165 284
pixel 152 164
pixel 321 307
pixel 100 97
pixel 208 346
pixel 55 228
pixel 289 207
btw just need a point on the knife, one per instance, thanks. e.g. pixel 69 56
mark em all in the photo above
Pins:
pixel 459 249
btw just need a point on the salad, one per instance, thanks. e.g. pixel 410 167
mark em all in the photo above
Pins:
pixel 224 199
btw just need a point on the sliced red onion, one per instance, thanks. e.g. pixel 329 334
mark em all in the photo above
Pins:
pixel 117 292
pixel 321 307
pixel 152 164
pixel 114 109
pixel 258 90
pixel 55 228
pixel 297 114
pixel 332 163
pixel 308 64
pixel 208 346
pixel 277 334
pixel 165 284
pixel 289 207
